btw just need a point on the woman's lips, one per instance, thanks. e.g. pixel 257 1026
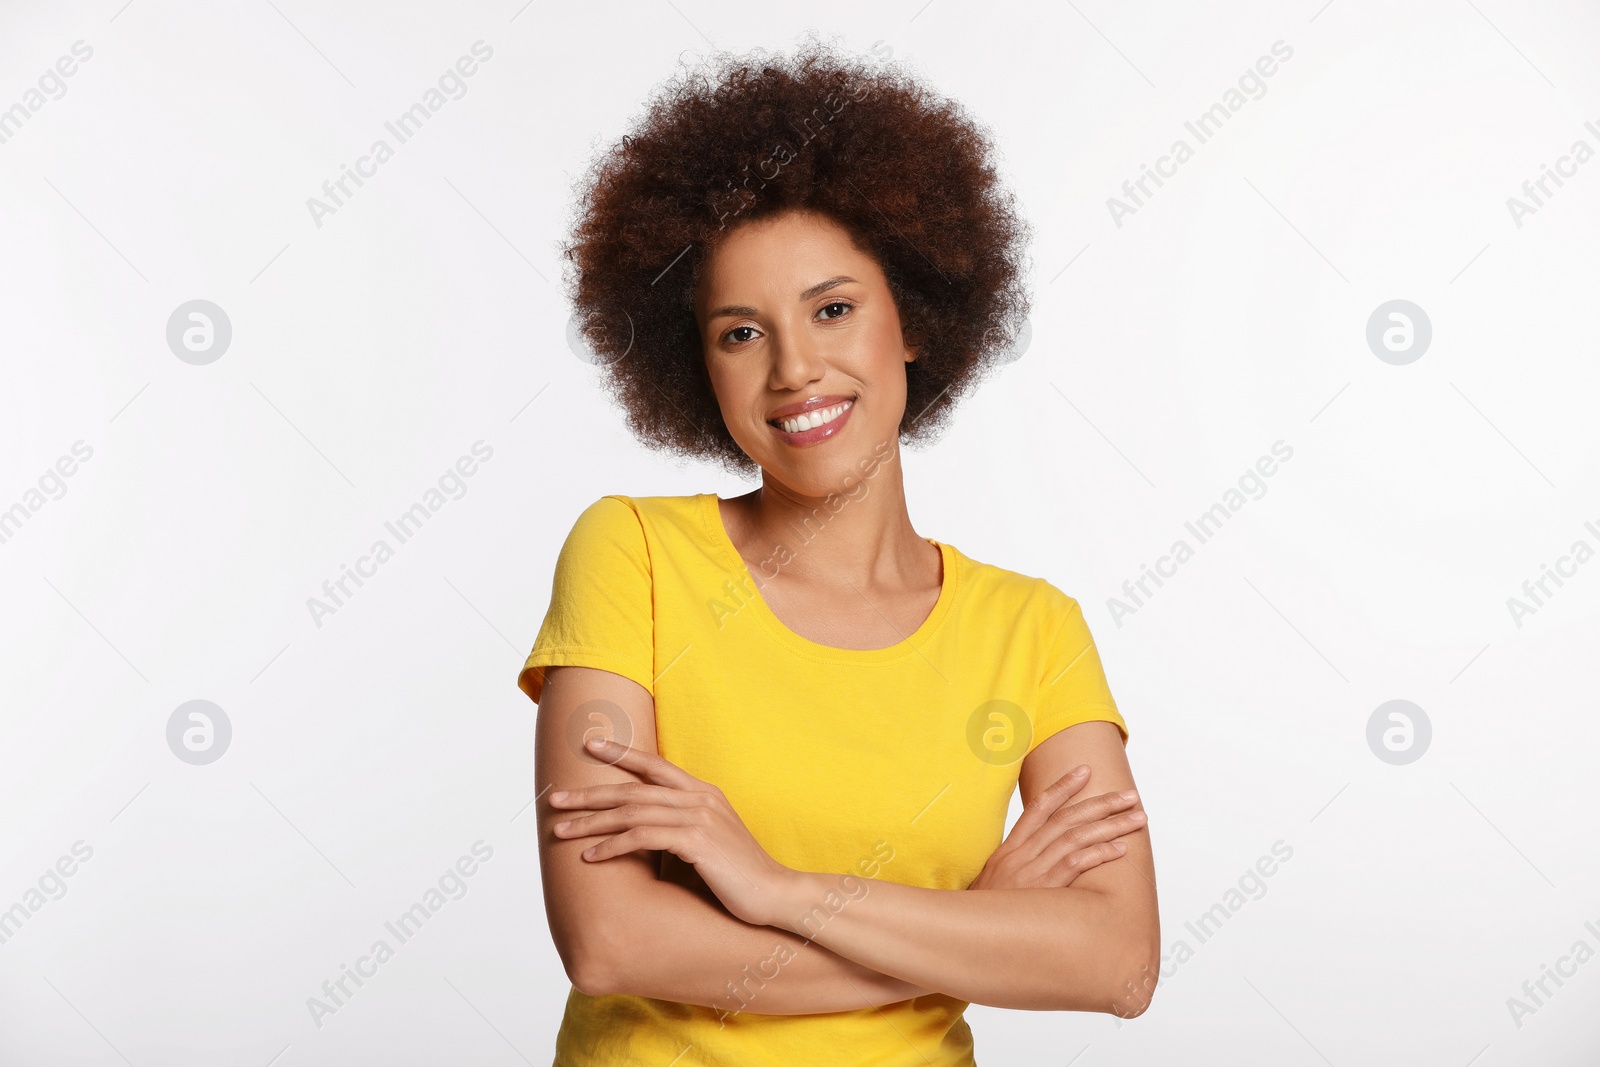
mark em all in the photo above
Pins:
pixel 815 434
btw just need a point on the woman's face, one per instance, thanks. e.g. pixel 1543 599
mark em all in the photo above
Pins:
pixel 794 318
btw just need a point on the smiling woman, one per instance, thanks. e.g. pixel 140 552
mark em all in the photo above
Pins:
pixel 773 829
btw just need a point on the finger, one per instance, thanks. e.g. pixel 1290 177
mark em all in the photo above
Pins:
pixel 1052 821
pixel 1050 799
pixel 614 820
pixel 1114 826
pixel 650 838
pixel 1029 834
pixel 1096 807
pixel 1101 830
pixel 610 794
pixel 1070 783
pixel 1087 859
pixel 655 768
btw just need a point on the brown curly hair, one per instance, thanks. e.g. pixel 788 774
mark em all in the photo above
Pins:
pixel 906 172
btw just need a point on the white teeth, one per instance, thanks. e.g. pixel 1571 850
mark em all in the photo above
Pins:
pixel 812 419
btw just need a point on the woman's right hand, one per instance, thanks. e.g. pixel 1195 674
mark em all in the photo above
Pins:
pixel 1054 842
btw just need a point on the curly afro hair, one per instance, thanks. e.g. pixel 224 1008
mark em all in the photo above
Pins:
pixel 906 172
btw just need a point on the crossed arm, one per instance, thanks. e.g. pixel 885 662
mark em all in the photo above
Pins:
pixel 619 928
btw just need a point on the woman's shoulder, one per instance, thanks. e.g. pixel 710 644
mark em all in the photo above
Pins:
pixel 618 504
pixel 620 517
pixel 658 508
pixel 1007 590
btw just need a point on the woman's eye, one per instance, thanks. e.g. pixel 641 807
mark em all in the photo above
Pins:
pixel 843 306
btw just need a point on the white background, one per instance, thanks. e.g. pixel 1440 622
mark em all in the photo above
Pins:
pixel 1167 355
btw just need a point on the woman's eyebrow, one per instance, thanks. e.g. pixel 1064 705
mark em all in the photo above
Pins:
pixel 815 290
pixel 822 287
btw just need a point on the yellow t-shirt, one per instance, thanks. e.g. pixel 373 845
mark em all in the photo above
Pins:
pixel 895 763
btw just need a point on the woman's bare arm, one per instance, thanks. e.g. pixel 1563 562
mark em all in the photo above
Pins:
pixel 1091 946
pixel 637 934
pixel 619 929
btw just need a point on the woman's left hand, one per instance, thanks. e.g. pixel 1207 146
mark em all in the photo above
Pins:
pixel 673 811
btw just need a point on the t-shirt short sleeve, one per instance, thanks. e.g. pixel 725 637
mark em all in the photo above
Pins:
pixel 601 610
pixel 1073 687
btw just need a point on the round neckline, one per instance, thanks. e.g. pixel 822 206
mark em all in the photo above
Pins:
pixel 711 512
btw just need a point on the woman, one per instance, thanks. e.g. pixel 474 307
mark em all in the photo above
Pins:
pixel 808 720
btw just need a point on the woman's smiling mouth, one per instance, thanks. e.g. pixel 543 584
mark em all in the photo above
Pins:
pixel 815 425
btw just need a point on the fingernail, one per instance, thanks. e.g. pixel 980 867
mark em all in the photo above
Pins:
pixel 560 826
pixel 1129 794
pixel 597 742
pixel 1137 816
pixel 558 796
